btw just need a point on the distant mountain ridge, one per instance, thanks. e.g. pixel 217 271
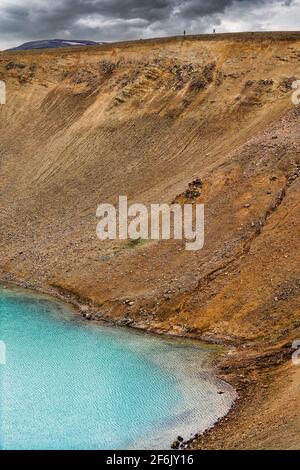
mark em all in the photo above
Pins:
pixel 53 44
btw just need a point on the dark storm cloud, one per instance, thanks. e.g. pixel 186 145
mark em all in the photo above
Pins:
pixel 192 8
pixel 106 20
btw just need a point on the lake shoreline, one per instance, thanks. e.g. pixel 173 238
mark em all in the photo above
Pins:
pixel 77 307
pixel 88 313
pixel 241 369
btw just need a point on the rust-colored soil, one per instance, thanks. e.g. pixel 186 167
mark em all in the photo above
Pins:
pixel 145 119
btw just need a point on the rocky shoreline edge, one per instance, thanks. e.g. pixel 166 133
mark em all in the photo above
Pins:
pixel 226 366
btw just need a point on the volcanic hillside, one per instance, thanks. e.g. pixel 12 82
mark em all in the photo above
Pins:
pixel 145 119
pixel 149 119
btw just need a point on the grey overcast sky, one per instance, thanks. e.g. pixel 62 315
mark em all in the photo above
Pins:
pixel 111 20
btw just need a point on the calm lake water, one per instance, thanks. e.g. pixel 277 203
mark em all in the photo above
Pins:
pixel 68 384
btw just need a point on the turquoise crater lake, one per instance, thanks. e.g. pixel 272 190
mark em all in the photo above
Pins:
pixel 70 384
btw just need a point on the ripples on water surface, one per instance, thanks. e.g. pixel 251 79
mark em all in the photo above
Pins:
pixel 68 384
